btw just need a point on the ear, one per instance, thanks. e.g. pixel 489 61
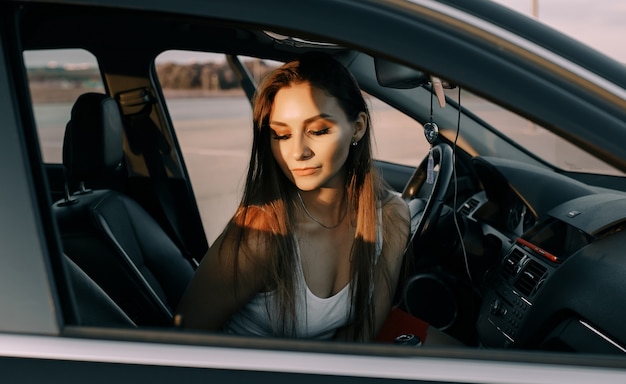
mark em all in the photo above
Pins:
pixel 360 126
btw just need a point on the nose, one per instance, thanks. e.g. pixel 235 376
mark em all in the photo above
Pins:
pixel 301 149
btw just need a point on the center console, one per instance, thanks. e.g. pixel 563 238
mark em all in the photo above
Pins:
pixel 535 257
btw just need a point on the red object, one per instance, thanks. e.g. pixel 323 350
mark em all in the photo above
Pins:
pixel 539 250
pixel 399 322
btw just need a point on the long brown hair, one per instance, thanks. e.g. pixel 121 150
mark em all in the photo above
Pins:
pixel 267 206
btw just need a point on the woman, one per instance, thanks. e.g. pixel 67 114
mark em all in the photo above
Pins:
pixel 315 247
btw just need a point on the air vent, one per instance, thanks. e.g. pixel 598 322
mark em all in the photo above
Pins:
pixel 511 264
pixel 531 277
pixel 468 207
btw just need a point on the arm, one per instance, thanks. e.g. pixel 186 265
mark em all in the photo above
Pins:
pixel 396 223
pixel 223 283
pixel 396 226
pixel 398 212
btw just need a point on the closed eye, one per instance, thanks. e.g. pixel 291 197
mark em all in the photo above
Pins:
pixel 320 132
pixel 280 137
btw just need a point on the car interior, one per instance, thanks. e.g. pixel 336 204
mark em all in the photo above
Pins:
pixel 499 255
pixel 109 234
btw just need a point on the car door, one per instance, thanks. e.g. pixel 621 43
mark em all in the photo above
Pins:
pixel 40 341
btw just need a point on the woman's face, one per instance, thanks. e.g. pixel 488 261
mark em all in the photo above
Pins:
pixel 311 136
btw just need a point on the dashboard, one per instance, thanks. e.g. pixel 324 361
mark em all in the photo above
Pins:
pixel 560 279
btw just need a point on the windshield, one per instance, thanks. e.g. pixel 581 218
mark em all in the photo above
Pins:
pixel 533 138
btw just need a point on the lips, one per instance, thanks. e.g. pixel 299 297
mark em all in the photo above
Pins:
pixel 304 171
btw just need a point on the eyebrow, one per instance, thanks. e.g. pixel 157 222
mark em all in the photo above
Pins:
pixel 306 122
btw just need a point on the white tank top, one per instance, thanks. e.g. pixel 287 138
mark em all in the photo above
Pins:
pixel 316 317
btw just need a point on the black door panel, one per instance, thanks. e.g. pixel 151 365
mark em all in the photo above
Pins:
pixel 21 370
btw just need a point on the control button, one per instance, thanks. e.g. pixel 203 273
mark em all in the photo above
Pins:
pixel 497 308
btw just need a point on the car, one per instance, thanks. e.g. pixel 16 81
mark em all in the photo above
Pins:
pixel 113 194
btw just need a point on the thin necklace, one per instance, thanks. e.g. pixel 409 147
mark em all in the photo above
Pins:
pixel 343 215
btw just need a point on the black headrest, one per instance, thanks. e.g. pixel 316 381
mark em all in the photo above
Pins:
pixel 92 145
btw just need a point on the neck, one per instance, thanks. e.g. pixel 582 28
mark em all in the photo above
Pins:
pixel 326 206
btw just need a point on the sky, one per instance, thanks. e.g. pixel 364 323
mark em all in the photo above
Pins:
pixel 600 24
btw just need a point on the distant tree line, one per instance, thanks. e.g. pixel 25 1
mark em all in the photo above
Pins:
pixel 206 76
pixel 202 76
pixel 61 77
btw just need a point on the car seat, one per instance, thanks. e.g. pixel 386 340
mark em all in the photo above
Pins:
pixel 93 307
pixel 109 235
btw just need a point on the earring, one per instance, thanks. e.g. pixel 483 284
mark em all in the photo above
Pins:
pixel 355 143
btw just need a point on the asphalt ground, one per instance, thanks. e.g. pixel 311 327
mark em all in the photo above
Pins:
pixel 215 134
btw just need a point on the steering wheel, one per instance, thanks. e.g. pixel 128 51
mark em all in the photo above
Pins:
pixel 425 200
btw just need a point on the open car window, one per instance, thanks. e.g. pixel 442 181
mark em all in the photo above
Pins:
pixel 54 86
pixel 212 118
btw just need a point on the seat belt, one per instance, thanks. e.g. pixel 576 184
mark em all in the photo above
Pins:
pixel 144 137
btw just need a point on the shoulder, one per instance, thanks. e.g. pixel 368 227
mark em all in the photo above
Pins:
pixel 395 209
pixel 396 224
pixel 248 237
pixel 253 218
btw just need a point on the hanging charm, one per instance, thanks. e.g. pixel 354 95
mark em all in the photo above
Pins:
pixel 430 168
pixel 431 131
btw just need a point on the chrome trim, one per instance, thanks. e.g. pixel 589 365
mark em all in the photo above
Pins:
pixel 345 365
pixel 501 331
pixel 602 335
pixel 525 300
